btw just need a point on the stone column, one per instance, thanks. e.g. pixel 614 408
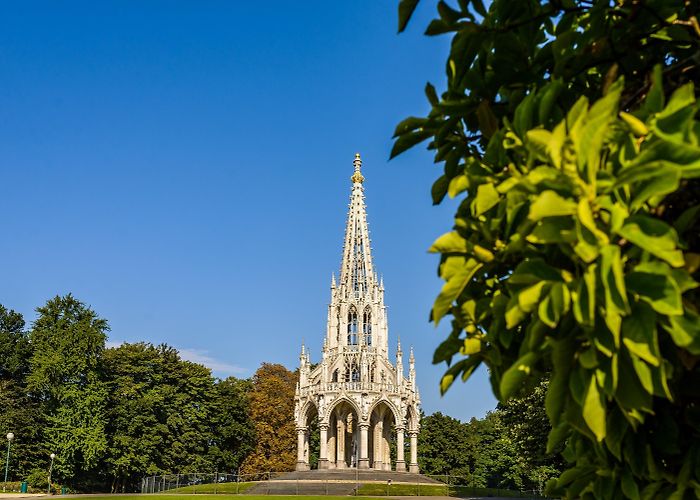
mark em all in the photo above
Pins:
pixel 400 462
pixel 340 445
pixel 323 453
pixel 386 437
pixel 301 441
pixel 364 451
pixel 378 446
pixel 413 466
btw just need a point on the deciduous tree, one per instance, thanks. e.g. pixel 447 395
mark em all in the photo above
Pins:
pixel 272 411
pixel 67 341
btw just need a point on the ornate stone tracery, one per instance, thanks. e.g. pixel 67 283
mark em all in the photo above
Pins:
pixel 363 401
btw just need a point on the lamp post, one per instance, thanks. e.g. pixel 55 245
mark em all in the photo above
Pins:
pixel 10 437
pixel 53 455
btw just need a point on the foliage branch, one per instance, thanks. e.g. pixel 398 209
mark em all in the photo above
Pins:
pixel 568 129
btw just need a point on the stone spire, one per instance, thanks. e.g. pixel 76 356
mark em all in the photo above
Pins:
pixel 359 395
pixel 356 268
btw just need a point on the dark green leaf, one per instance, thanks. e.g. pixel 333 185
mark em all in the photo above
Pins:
pixel 406 8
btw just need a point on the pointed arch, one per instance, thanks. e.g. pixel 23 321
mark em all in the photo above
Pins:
pixel 367 326
pixel 398 418
pixel 352 326
pixel 342 399
pixel 307 409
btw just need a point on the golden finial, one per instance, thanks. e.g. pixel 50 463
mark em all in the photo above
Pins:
pixel 357 176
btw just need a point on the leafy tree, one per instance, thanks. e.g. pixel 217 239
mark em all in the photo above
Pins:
pixel 137 409
pixel 272 411
pixel 443 446
pixel 14 346
pixel 232 431
pixel 20 413
pixel 569 131
pixel 166 415
pixel 495 462
pixel 525 422
pixel 67 342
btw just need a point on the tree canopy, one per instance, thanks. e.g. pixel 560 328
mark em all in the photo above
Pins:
pixel 111 415
pixel 569 132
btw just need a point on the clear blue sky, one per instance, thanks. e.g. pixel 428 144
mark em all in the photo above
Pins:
pixel 183 168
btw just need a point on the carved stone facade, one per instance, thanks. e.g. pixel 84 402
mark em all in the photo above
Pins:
pixel 361 399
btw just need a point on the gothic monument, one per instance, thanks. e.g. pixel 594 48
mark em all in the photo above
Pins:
pixel 358 395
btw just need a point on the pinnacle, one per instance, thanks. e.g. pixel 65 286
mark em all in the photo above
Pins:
pixel 357 176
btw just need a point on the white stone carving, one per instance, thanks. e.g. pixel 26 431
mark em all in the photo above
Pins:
pixel 357 390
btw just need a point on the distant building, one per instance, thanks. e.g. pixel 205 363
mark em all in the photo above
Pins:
pixel 360 397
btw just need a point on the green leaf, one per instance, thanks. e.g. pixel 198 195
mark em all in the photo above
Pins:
pixel 687 219
pixel 488 122
pixel 616 428
pixel 629 485
pixel 550 93
pixel 594 410
pixel 639 334
pixel 431 94
pixel 555 305
pixel 406 8
pixel 685 331
pixel 630 393
pixel 592 135
pixel 550 204
pixel 585 296
pixel 653 236
pixel 479 7
pixel 557 435
pixel 465 367
pixel 653 283
pixel 562 357
pixel 613 279
pixel 514 314
pixel 532 271
pixel 409 125
pixel 654 101
pixel 514 376
pixel 552 230
pixel 450 242
pixel 530 296
pixel 407 141
pixel 587 246
pixel 486 198
pixel 471 346
pixel 673 123
pixel 457 185
pixel 453 288
pixel 439 189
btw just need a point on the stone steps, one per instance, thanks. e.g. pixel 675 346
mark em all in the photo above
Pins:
pixel 332 481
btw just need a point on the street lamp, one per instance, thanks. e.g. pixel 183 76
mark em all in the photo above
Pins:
pixel 53 455
pixel 10 437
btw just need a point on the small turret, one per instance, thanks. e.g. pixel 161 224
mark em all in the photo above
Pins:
pixel 303 366
pixel 399 363
pixel 412 369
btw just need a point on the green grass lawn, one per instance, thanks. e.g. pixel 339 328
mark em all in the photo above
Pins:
pixel 172 496
pixel 380 489
pixel 231 488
